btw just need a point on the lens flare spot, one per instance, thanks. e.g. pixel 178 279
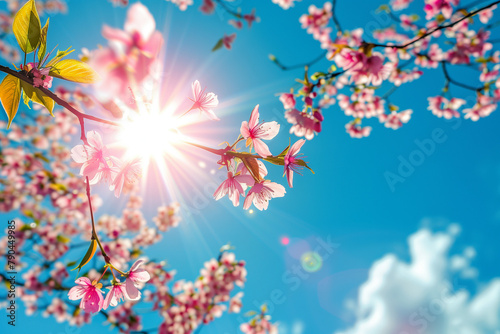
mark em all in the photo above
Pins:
pixel 311 261
pixel 285 240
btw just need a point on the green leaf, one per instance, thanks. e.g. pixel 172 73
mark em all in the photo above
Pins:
pixel 37 96
pixel 27 27
pixel 63 239
pixel 88 256
pixel 74 70
pixel 219 45
pixel 59 55
pixel 43 43
pixel 10 95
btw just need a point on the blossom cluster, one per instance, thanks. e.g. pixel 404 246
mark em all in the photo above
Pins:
pixel 449 36
pixel 190 304
pixel 98 165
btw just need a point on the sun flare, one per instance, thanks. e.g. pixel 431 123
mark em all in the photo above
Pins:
pixel 149 135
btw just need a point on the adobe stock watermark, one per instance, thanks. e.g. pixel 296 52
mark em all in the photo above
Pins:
pixel 425 148
pixel 424 316
pixel 294 277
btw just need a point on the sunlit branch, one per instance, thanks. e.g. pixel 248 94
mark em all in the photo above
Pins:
pixel 80 115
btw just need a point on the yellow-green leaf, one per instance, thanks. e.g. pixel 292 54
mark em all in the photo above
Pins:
pixel 10 95
pixel 37 96
pixel 27 27
pixel 43 42
pixel 88 256
pixel 74 70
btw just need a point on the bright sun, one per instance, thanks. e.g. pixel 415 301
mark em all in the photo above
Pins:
pixel 149 135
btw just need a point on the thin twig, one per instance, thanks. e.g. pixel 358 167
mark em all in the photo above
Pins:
pixel 432 31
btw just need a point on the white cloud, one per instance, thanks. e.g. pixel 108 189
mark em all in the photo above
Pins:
pixel 418 297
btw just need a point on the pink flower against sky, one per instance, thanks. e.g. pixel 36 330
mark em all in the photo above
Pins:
pixel 228 40
pixel 254 132
pixel 117 293
pixel 131 54
pixel 261 193
pixel 285 4
pixel 129 172
pixel 290 161
pixel 92 156
pixel 204 102
pixel 91 295
pixel 135 277
pixel 234 186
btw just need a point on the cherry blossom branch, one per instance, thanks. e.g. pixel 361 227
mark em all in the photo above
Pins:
pixel 292 67
pixel 94 233
pixel 456 83
pixel 335 19
pixel 229 10
pixel 432 31
pixel 80 115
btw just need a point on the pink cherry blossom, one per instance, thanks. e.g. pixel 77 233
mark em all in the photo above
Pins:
pixel 129 173
pixel 235 23
pixel 254 132
pixel 136 276
pixel 41 77
pixel 130 57
pixel 285 4
pixel 400 4
pixel 288 100
pixel 234 186
pixel 484 106
pixel 442 107
pixel 228 40
pixel 204 102
pixel 395 119
pixel 90 294
pixel 251 18
pixel 290 161
pixel 304 124
pixel 207 7
pixel 117 293
pixel 261 193
pixel 356 131
pixel 182 4
pixel 92 157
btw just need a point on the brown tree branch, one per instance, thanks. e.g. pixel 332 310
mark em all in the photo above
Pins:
pixel 80 115
pixel 432 31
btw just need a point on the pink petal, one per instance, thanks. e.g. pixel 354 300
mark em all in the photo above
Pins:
pixel 196 89
pixel 244 129
pixel 261 148
pixel 94 140
pixel 113 34
pixel 254 117
pixel 85 281
pixel 270 129
pixel 132 291
pixel 76 292
pixel 79 154
pixel 108 299
pixel 140 20
pixel 248 201
pixel 296 147
pixel 141 275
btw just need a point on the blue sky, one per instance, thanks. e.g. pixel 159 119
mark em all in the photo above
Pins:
pixel 347 201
